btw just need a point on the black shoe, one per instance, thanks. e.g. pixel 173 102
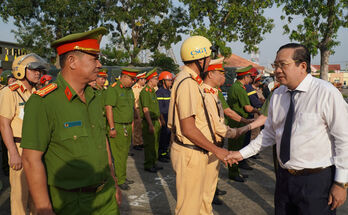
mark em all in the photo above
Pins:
pixel 163 160
pixel 129 181
pixel 245 165
pixel 137 147
pixel 152 169
pixel 244 175
pixel 130 154
pixel 237 178
pixel 217 200
pixel 157 167
pixel 124 186
pixel 219 192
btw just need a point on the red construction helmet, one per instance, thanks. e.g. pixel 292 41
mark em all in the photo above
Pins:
pixel 45 78
pixel 253 72
pixel 165 75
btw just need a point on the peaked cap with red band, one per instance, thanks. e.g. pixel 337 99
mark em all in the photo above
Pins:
pixel 244 71
pixel 130 72
pixel 151 74
pixel 141 75
pixel 87 42
pixel 216 67
pixel 103 73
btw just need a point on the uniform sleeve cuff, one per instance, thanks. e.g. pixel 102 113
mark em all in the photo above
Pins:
pixel 341 175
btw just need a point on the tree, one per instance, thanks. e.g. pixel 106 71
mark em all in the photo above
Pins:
pixel 41 22
pixel 166 63
pixel 114 57
pixel 319 28
pixel 138 25
pixel 230 20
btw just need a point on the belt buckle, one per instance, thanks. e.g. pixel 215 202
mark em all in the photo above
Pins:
pixel 100 187
pixel 292 171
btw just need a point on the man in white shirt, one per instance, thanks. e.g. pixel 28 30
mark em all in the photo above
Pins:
pixel 311 135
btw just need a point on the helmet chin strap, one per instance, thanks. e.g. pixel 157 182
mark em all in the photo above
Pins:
pixel 201 69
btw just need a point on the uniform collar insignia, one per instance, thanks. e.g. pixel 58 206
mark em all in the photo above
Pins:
pixel 68 93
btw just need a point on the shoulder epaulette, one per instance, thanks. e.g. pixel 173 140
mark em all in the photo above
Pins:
pixel 46 90
pixel 13 87
pixel 114 84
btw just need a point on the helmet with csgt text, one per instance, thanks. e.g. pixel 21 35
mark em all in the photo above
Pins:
pixel 165 75
pixel 195 48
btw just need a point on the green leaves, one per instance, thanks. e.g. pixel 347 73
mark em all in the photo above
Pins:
pixel 226 21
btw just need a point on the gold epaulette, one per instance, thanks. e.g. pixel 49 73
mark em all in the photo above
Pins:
pixel 114 84
pixel 13 87
pixel 46 90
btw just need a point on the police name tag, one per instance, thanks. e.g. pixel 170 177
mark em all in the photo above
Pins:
pixel 72 124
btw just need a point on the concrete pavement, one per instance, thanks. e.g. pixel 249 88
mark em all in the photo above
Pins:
pixel 155 193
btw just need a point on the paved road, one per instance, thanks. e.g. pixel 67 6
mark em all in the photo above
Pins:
pixel 155 193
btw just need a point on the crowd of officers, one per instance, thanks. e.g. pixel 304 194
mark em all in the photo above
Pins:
pixel 68 140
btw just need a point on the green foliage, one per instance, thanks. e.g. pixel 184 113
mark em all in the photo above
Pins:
pixel 226 21
pixel 318 31
pixel 113 57
pixel 41 22
pixel 139 25
pixel 164 62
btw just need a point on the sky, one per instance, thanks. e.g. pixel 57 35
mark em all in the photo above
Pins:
pixel 267 48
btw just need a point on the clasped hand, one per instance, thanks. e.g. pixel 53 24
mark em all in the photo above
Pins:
pixel 233 157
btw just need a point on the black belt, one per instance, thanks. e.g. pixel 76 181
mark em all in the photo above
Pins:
pixel 88 189
pixel 17 139
pixel 305 171
pixel 194 147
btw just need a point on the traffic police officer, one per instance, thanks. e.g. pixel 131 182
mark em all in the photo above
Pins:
pixel 27 70
pixel 119 105
pixel 137 133
pixel 150 113
pixel 66 156
pixel 239 102
pixel 192 138
pixel 163 97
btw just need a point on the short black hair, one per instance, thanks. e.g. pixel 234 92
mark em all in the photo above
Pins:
pixel 242 76
pixel 63 57
pixel 301 54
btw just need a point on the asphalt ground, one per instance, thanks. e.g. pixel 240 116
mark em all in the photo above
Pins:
pixel 154 193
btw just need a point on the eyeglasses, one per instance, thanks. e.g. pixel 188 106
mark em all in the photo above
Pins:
pixel 281 65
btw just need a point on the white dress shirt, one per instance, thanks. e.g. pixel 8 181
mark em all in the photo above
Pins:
pixel 319 136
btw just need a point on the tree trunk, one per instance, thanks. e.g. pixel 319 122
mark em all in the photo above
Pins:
pixel 324 64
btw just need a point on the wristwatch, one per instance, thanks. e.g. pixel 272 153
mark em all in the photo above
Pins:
pixel 112 129
pixel 343 185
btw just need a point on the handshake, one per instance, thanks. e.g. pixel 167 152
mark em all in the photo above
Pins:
pixel 230 157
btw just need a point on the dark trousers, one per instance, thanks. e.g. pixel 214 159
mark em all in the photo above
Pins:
pixel 303 194
pixel 164 139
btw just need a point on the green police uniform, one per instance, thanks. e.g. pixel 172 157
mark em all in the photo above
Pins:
pixel 71 134
pixel 148 99
pixel 122 101
pixel 237 99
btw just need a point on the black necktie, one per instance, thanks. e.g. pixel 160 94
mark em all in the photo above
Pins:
pixel 285 142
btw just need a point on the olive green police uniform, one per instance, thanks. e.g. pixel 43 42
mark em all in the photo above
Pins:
pixel 122 101
pixel 237 99
pixel 148 99
pixel 72 135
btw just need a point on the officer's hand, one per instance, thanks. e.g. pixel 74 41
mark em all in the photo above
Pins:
pixel 242 130
pixel 151 129
pixel 337 196
pixel 112 133
pixel 118 195
pixel 233 157
pixel 221 153
pixel 15 161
